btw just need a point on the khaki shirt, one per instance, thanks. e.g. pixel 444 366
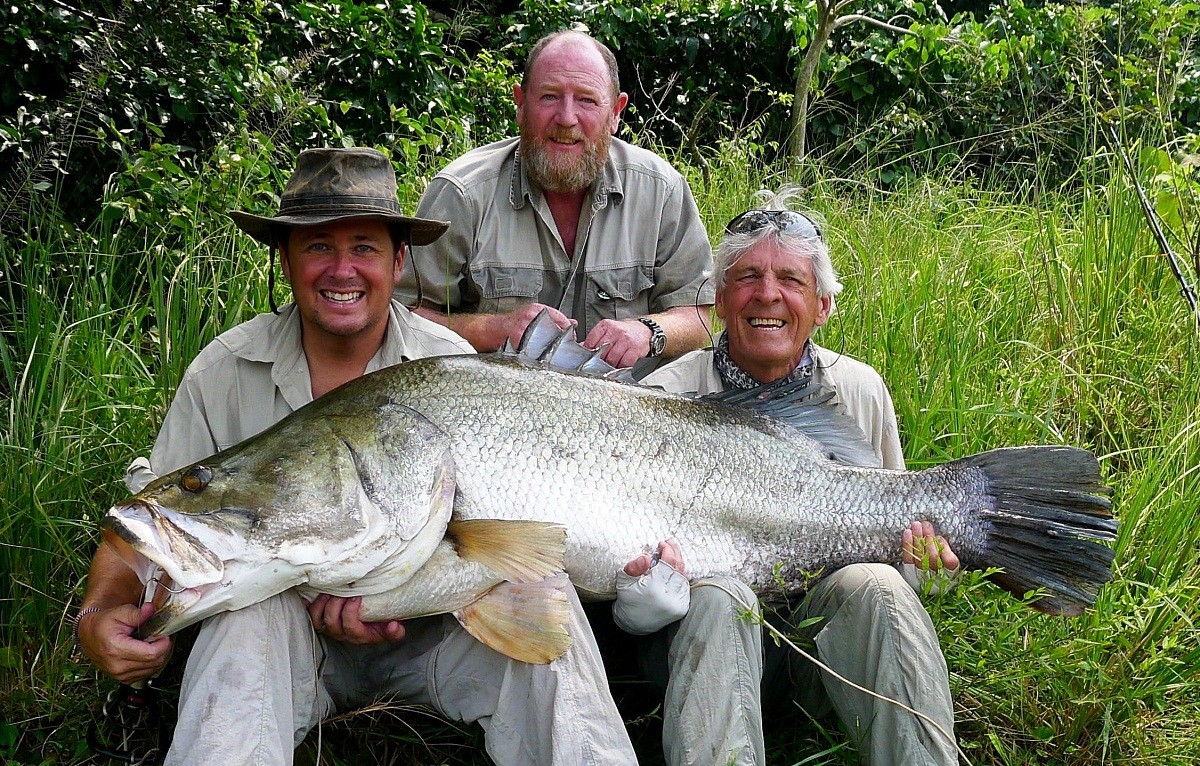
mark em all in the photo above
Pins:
pixel 255 374
pixel 641 247
pixel 858 387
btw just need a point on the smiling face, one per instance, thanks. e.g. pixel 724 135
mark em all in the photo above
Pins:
pixel 770 307
pixel 342 274
pixel 568 115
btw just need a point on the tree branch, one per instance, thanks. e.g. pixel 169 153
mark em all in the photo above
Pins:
pixel 851 18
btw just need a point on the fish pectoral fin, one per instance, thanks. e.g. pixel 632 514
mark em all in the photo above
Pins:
pixel 525 621
pixel 520 551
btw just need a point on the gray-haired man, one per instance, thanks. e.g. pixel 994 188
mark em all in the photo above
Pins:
pixel 775 286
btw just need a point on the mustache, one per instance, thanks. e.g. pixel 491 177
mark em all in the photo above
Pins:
pixel 566 135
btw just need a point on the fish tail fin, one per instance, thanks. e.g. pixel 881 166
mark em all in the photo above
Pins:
pixel 1049 517
pixel 525 621
pixel 520 551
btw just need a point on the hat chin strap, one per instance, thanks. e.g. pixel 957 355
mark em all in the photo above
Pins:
pixel 271 282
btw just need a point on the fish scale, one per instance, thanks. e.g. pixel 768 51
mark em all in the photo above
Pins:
pixel 765 500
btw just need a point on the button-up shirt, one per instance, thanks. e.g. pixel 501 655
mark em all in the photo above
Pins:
pixel 641 247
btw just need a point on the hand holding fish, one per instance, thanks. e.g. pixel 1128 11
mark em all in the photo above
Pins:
pixel 628 340
pixel 668 552
pixel 650 597
pixel 927 550
pixel 338 618
pixel 511 327
pixel 107 639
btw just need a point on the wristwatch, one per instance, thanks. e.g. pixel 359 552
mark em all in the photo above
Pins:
pixel 658 338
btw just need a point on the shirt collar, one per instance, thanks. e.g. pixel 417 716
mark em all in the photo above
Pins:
pixel 278 344
pixel 733 375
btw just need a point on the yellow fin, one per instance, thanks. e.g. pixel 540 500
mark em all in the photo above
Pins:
pixel 520 551
pixel 525 621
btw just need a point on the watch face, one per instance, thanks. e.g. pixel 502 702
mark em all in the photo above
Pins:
pixel 658 339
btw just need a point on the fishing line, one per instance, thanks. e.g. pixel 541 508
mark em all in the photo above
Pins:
pixel 780 636
pixel 1185 289
pixel 696 304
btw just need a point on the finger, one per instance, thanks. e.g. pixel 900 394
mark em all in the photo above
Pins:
pixel 560 319
pixel 639 566
pixel 599 334
pixel 395 630
pixel 350 621
pixel 949 557
pixel 906 547
pixel 932 558
pixel 331 615
pixel 621 354
pixel 316 611
pixel 670 552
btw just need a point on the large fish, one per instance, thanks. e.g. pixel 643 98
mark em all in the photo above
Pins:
pixel 445 485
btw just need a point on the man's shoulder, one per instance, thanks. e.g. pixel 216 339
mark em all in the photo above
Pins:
pixel 627 158
pixel 423 337
pixel 479 165
pixel 692 373
pixel 251 340
pixel 846 374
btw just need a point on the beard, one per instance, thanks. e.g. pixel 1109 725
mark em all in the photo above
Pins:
pixel 559 173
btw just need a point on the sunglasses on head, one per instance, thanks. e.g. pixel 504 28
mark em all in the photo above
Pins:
pixel 785 222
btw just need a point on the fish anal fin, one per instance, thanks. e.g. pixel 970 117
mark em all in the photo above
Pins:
pixel 525 621
pixel 520 551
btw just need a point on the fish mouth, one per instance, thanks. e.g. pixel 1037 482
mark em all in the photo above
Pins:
pixel 174 565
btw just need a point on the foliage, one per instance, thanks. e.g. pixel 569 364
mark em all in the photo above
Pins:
pixel 996 320
pixel 93 89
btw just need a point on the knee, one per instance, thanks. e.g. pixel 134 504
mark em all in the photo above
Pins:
pixel 871 583
pixel 723 593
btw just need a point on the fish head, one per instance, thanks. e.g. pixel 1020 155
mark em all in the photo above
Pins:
pixel 311 500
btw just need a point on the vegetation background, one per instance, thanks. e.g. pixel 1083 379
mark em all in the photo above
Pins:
pixel 999 269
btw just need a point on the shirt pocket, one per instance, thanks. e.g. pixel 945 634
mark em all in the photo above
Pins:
pixel 621 292
pixel 503 289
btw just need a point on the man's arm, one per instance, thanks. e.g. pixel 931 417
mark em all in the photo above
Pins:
pixel 686 328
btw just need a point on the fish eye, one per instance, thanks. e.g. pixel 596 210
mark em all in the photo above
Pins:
pixel 196 479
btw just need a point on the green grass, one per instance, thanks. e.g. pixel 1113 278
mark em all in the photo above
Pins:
pixel 996 320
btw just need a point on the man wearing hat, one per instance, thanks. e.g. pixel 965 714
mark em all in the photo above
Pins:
pixel 258 679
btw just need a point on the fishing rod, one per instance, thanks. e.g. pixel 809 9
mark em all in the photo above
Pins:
pixel 1155 224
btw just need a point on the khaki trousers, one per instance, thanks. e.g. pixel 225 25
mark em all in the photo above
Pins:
pixel 257 681
pixel 873 631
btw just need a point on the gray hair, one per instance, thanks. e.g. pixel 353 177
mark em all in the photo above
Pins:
pixel 578 30
pixel 734 245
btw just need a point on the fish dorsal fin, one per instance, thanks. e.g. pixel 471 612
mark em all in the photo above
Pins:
pixel 548 344
pixel 811 409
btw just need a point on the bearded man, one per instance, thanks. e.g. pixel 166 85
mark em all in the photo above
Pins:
pixel 604 235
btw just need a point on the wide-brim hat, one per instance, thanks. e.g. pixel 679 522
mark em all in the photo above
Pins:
pixel 334 184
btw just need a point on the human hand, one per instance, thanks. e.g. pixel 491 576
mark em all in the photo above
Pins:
pixel 668 551
pixel 338 618
pixel 107 639
pixel 628 340
pixel 512 326
pixel 650 597
pixel 921 546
